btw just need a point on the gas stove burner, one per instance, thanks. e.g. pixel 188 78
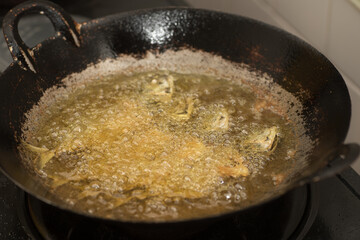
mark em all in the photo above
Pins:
pixel 294 216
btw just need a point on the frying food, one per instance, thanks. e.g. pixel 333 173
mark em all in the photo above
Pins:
pixel 158 145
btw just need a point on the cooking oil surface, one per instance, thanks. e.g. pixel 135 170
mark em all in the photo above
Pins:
pixel 161 145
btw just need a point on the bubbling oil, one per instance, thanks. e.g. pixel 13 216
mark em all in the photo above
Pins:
pixel 161 145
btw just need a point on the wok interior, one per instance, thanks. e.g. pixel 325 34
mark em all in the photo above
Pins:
pixel 292 64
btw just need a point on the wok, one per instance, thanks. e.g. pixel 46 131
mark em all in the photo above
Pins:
pixel 293 64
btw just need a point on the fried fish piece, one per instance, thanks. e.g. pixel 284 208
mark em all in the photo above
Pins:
pixel 160 88
pixel 217 121
pixel 221 120
pixel 236 171
pixel 44 155
pixel 92 133
pixel 233 163
pixel 264 141
pixel 184 109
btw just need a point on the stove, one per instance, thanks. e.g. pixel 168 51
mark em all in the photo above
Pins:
pixel 330 209
pixel 42 221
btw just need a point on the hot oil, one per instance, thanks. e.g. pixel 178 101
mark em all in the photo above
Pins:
pixel 162 145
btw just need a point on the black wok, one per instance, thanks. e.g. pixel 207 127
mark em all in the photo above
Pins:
pixel 293 64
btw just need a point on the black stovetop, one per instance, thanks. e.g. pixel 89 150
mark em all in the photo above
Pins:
pixel 334 214
pixel 334 205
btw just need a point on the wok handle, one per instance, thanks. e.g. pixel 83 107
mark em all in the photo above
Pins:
pixel 342 158
pixel 63 24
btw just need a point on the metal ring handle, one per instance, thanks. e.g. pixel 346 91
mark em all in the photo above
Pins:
pixel 63 24
pixel 342 158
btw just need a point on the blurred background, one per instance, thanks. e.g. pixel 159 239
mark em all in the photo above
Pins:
pixel 328 25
